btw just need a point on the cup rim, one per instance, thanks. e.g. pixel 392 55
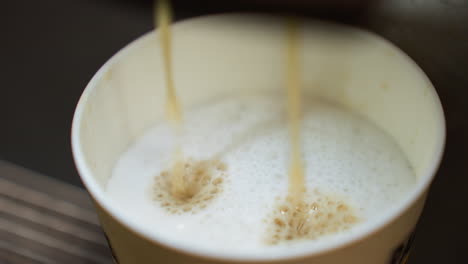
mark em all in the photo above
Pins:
pixel 361 232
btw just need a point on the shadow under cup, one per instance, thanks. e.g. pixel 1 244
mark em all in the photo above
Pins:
pixel 225 55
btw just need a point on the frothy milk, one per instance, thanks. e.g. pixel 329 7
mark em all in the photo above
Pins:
pixel 346 158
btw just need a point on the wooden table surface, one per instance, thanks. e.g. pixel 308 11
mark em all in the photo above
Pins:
pixel 43 220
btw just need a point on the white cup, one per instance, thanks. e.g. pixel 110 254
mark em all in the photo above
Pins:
pixel 215 56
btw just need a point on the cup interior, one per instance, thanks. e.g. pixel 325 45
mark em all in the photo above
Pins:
pixel 221 55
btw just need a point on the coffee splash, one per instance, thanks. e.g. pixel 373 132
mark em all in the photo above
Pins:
pixel 314 216
pixel 201 182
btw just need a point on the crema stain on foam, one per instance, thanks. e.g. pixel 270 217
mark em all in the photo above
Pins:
pixel 309 218
pixel 202 182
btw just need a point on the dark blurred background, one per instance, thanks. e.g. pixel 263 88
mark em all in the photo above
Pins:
pixel 51 48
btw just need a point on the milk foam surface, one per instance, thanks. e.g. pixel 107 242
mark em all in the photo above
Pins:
pixel 344 155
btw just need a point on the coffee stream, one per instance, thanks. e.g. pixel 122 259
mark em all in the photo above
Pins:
pixel 163 21
pixel 300 216
pixel 189 185
pixel 173 112
pixel 296 173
